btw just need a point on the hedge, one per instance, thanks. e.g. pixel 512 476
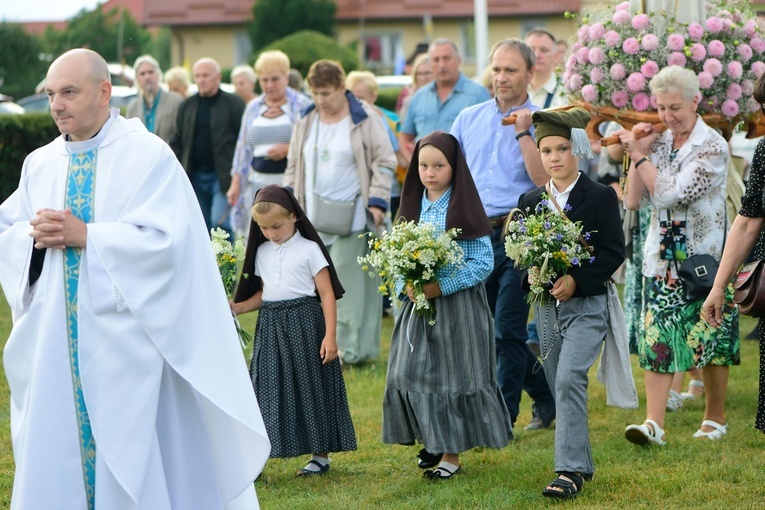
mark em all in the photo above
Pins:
pixel 20 135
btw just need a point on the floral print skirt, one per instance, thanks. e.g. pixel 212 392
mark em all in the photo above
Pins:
pixel 673 336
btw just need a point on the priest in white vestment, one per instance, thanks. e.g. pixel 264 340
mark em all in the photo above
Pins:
pixel 128 386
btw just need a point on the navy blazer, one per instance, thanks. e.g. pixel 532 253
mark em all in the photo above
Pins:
pixel 597 207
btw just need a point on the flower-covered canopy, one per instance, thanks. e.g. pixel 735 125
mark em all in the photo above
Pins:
pixel 618 51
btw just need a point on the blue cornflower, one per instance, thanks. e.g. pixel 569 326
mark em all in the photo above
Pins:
pixel 592 259
pixel 587 235
pixel 575 261
pixel 548 224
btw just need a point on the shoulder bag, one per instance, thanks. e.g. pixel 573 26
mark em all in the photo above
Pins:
pixel 749 289
pixel 698 272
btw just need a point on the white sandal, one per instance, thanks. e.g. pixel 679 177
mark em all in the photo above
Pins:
pixel 674 401
pixel 717 432
pixel 693 383
pixel 643 434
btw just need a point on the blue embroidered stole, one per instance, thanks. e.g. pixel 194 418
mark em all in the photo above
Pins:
pixel 80 187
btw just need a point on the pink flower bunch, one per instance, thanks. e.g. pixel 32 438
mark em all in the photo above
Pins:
pixel 618 52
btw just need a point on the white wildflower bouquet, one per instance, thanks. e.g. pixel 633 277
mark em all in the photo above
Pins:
pixel 227 255
pixel 411 254
pixel 546 244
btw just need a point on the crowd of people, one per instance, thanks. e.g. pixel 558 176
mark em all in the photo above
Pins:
pixel 302 176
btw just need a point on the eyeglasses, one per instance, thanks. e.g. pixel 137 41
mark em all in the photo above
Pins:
pixel 423 73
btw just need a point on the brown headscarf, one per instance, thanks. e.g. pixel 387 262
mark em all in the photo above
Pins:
pixel 282 196
pixel 465 209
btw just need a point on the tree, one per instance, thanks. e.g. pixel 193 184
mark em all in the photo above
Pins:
pixel 274 19
pixel 306 47
pixel 21 67
pixel 100 31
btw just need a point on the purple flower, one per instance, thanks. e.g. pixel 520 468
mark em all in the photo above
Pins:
pixel 596 75
pixel 567 207
pixel 617 72
pixel 747 87
pixel 641 102
pixel 575 261
pixel 676 59
pixel 733 91
pixel 757 45
pixel 716 48
pixel 727 25
pixel 620 98
pixel 698 52
pixel 612 38
pixel 583 55
pixel 649 42
pixel 641 22
pixel 559 237
pixel 745 51
pixel 574 82
pixel 675 42
pixel 649 69
pixel 621 17
pixel 713 67
pixel 706 80
pixel 714 24
pixel 635 82
pixel 548 225
pixel 631 46
pixel 590 93
pixel 592 259
pixel 597 31
pixel 758 68
pixel 750 28
pixel 735 70
pixel 583 34
pixel 695 31
pixel 730 108
pixel 597 56
pixel 586 235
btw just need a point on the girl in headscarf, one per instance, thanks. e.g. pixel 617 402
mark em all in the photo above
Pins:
pixel 441 388
pixel 289 276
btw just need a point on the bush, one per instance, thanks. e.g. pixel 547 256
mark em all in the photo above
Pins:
pixel 20 135
pixel 306 47
pixel 387 98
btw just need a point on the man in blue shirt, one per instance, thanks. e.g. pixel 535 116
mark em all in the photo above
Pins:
pixel 505 163
pixel 435 106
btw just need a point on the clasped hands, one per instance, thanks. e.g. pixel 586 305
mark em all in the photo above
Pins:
pixel 58 229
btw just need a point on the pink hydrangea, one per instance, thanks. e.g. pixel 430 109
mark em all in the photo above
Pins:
pixel 617 72
pixel 624 6
pixel 571 62
pixel 620 98
pixel 583 55
pixel 612 38
pixel 649 42
pixel 698 52
pixel 750 28
pixel 641 22
pixel 675 42
pixel 635 82
pixel 584 34
pixel 747 87
pixel 695 31
pixel 716 48
pixel 590 93
pixel 641 102
pixel 597 31
pixel 677 59
pixel 597 75
pixel 620 18
pixel 745 51
pixel 706 80
pixel 730 108
pixel 574 82
pixel 597 55
pixel 752 105
pixel 631 46
pixel 714 24
pixel 757 45
pixel 758 68
pixel 713 67
pixel 733 91
pixel 735 70
pixel 649 69
pixel 727 25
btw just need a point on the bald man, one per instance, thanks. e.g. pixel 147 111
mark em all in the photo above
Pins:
pixel 208 126
pixel 128 389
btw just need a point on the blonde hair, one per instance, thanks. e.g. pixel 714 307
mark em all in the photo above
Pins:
pixel 261 208
pixel 274 59
pixel 244 70
pixel 177 74
pixel 361 77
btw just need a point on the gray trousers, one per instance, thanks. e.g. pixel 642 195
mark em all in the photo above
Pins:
pixel 571 338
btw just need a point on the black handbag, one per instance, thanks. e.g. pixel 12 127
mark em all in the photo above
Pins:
pixel 698 272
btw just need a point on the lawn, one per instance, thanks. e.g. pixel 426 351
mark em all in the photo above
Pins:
pixel 687 473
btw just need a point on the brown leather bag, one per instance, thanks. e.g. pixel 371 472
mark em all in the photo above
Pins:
pixel 749 289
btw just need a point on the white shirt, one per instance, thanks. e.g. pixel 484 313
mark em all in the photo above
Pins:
pixel 561 197
pixel 288 269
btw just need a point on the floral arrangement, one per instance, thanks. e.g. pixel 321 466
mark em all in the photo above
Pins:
pixel 616 54
pixel 547 244
pixel 227 255
pixel 410 255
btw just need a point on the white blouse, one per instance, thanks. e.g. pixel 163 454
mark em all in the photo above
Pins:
pixel 288 269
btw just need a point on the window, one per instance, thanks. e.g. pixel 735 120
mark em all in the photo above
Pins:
pixel 467 50
pixel 381 52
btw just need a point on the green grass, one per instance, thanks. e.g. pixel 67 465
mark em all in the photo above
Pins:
pixel 687 473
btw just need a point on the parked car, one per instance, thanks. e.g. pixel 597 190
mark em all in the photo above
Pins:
pixel 397 81
pixel 9 107
pixel 121 96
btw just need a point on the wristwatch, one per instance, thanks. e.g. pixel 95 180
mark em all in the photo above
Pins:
pixel 641 161
pixel 522 134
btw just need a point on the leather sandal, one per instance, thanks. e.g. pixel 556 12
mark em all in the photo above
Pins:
pixel 568 489
pixel 717 432
pixel 643 434
pixel 307 472
pixel 441 473
pixel 427 459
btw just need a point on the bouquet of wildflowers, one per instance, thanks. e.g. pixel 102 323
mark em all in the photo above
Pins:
pixel 227 255
pixel 616 54
pixel 547 245
pixel 410 255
